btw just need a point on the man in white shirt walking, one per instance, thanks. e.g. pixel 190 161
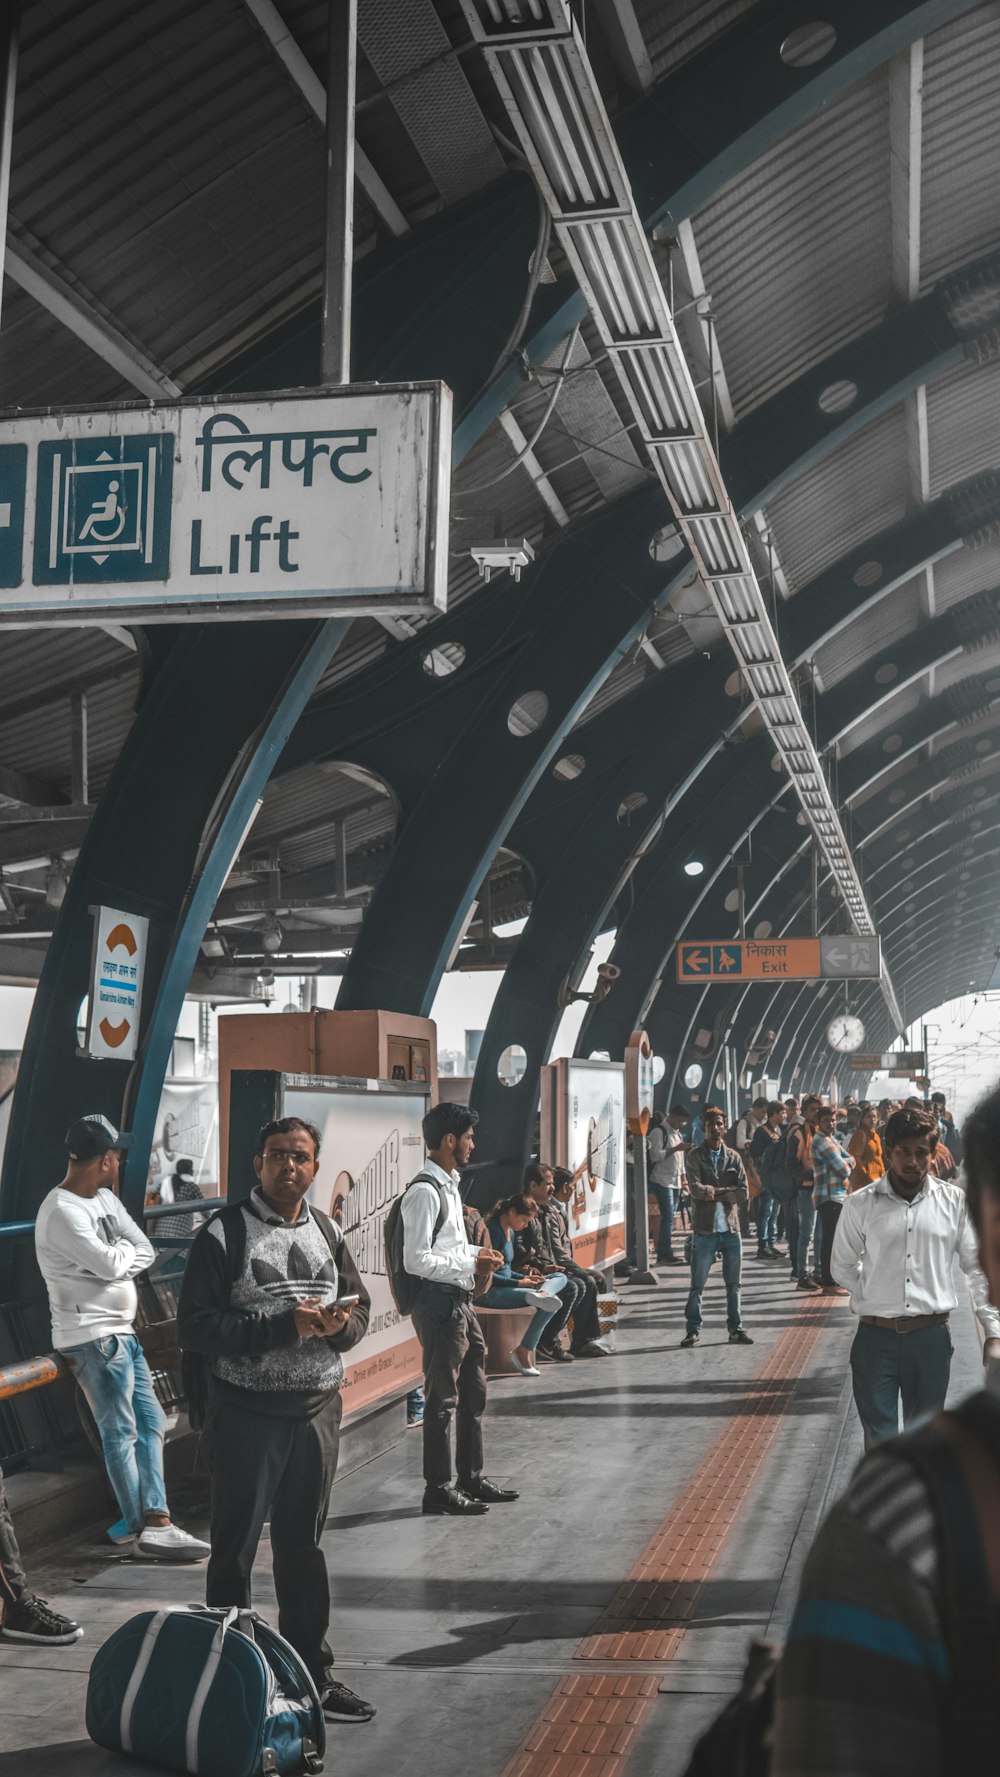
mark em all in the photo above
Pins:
pixel 89 1251
pixel 894 1248
pixel 436 1249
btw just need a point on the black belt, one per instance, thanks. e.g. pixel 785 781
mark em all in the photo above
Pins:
pixel 448 1289
pixel 904 1323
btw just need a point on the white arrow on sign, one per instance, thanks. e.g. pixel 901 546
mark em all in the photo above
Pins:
pixel 837 959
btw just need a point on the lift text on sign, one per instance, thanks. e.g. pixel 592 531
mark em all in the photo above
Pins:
pixel 295 504
pixel 116 984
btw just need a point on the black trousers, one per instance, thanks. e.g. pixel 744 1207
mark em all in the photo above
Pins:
pixel 586 1320
pixel 262 1465
pixel 454 1384
pixel 13 1585
pixel 571 1294
pixel 828 1215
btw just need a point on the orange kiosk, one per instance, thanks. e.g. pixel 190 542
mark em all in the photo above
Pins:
pixel 366 1080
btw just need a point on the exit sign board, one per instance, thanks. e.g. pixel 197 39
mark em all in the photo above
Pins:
pixel 779 959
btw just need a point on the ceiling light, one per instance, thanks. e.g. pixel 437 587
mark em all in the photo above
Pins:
pixel 271 934
pixel 694 867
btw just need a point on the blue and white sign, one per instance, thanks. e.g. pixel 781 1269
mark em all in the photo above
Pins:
pixel 297 504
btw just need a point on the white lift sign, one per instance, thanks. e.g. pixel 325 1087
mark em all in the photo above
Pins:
pixel 288 505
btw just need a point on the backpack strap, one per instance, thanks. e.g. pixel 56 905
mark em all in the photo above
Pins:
pixel 331 1233
pixel 424 1178
pixel 966 1593
pixel 234 1234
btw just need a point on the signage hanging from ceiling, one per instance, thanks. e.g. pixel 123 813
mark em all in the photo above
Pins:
pixel 116 985
pixel 779 959
pixel 293 504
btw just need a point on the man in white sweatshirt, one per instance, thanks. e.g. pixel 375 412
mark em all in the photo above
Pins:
pixel 89 1251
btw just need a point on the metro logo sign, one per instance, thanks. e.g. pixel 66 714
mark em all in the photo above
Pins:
pixel 116 984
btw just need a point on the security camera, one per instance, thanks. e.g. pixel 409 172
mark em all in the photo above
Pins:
pixel 609 972
pixel 502 558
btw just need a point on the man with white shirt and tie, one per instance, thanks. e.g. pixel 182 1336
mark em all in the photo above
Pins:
pixel 894 1250
pixel 436 1249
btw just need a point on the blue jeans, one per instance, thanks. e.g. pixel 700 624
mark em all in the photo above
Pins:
pixel 886 1366
pixel 667 1197
pixel 507 1295
pixel 115 1378
pixel 805 1223
pixel 703 1250
pixel 768 1208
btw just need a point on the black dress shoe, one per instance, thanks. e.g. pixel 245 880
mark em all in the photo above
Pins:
pixel 690 1339
pixel 449 1502
pixel 558 1354
pixel 482 1489
pixel 740 1338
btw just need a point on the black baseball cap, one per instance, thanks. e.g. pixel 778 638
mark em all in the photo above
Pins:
pixel 93 1135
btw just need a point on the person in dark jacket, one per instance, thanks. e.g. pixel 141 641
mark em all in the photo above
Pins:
pixel 273 1339
pixel 717 1182
pixel 533 1250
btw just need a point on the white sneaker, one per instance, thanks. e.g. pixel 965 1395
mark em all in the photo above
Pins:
pixel 168 1542
pixel 540 1298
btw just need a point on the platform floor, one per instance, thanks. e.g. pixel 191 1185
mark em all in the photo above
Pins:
pixel 668 1499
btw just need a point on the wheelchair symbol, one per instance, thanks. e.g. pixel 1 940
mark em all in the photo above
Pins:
pixel 111 510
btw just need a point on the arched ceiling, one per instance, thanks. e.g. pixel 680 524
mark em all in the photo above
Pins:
pixel 829 234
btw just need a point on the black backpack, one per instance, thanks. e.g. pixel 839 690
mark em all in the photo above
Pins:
pixel 737 1743
pixel 194 1370
pixel 402 1283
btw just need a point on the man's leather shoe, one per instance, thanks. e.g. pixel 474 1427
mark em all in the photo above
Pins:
pixel 740 1338
pixel 689 1339
pixel 449 1502
pixel 482 1489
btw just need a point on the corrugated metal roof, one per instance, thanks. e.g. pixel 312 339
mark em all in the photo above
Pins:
pixel 962 427
pixel 959 209
pixel 896 615
pixel 795 251
pixel 964 572
pixel 673 34
pixel 882 720
pixel 854 493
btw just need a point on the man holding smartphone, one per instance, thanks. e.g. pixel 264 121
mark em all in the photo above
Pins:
pixel 271 1299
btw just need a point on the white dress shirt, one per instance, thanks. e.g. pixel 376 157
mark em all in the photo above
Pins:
pixel 896 1257
pixel 666 1157
pixel 449 1258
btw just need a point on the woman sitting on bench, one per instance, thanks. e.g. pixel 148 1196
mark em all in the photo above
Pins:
pixel 520 1289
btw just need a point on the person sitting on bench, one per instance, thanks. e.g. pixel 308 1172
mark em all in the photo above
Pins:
pixel 520 1289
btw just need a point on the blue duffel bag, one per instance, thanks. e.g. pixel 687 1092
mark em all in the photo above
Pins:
pixel 210 1691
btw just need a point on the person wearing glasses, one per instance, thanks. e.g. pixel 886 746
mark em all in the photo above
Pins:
pixel 271 1300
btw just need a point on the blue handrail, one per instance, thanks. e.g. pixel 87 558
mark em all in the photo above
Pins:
pixel 9 1230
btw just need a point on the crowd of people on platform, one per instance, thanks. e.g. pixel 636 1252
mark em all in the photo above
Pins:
pixel 864 1196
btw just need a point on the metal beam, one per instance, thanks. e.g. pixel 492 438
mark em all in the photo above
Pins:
pixel 626 42
pixel 310 87
pixel 54 293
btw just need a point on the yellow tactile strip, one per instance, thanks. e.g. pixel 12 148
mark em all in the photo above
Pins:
pixel 588 1725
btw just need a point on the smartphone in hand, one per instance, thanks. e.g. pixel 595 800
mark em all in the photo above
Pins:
pixel 345 1302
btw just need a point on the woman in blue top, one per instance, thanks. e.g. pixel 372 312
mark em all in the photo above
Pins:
pixel 520 1289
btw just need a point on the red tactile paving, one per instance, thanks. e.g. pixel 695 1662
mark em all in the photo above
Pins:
pixel 588 1725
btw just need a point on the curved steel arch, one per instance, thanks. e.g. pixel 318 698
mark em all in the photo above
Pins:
pixel 826 605
pixel 837 711
pixel 403 947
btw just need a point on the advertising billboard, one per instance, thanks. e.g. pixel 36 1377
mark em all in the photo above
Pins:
pixel 583 1127
pixel 372 1146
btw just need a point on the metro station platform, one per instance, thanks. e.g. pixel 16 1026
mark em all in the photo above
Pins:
pixel 668 1499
